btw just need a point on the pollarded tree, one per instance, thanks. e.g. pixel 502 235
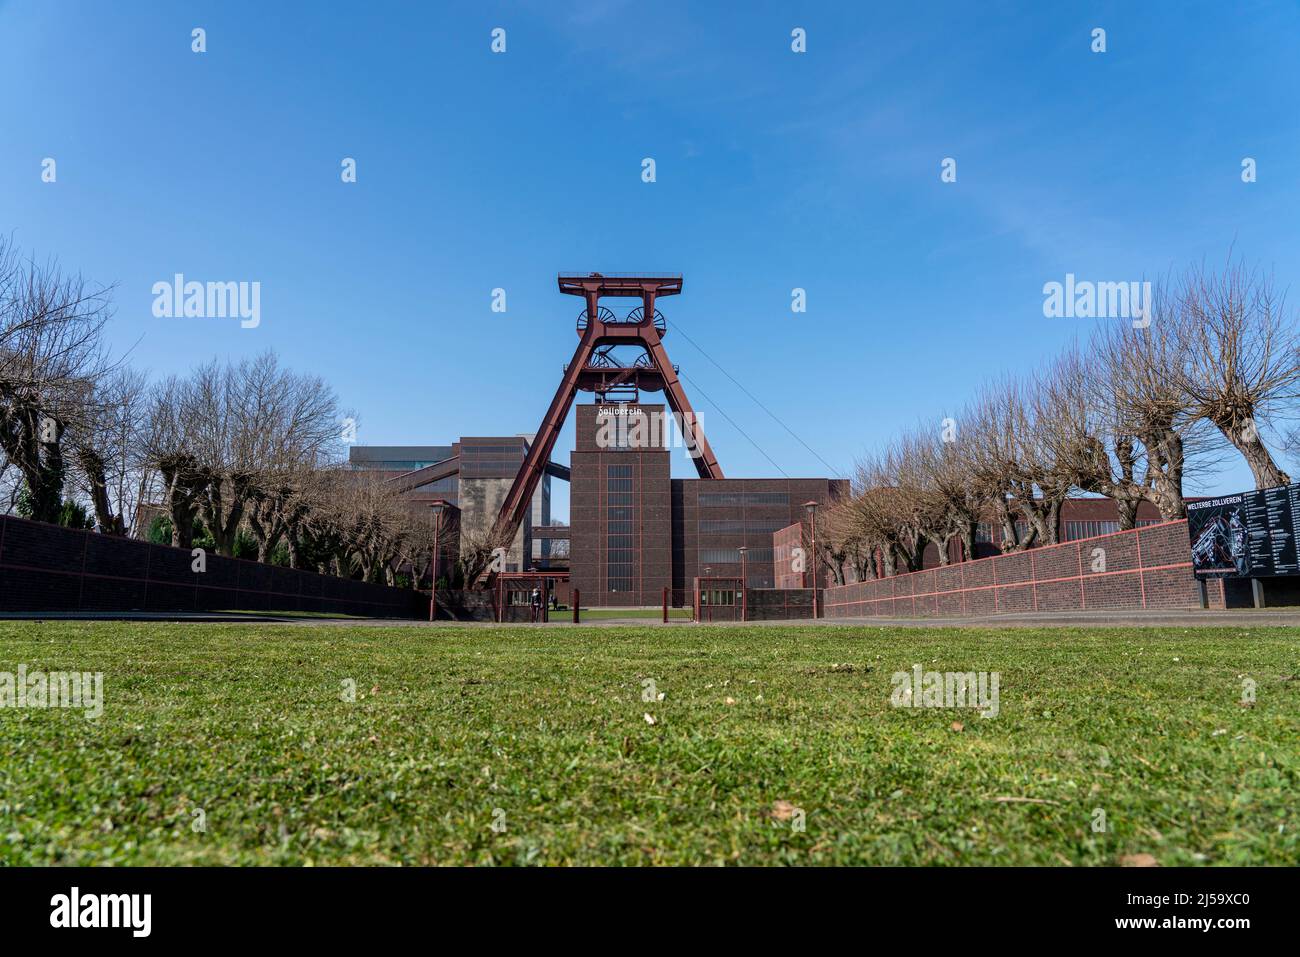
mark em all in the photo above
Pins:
pixel 51 357
pixel 231 441
pixel 369 523
pixel 108 449
pixel 172 449
pixel 1140 439
pixel 885 516
pixel 990 448
pixel 914 461
pixel 1044 477
pixel 296 421
pixel 1241 366
pixel 845 544
pixel 947 461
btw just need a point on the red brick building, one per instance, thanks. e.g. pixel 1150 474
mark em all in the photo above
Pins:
pixel 635 530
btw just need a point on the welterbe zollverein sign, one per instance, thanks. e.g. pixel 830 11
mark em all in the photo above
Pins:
pixel 1246 535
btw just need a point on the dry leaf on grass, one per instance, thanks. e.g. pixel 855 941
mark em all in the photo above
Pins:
pixel 782 810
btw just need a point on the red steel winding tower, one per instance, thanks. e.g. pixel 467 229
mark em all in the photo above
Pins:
pixel 596 368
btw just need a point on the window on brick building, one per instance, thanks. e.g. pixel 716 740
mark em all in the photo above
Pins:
pixel 620 534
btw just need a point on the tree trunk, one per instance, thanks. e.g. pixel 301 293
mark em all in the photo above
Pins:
pixel 1127 510
pixel 1009 541
pixel 45 484
pixel 1246 440
pixel 967 535
pixel 93 465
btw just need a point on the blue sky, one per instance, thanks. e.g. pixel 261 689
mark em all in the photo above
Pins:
pixel 775 170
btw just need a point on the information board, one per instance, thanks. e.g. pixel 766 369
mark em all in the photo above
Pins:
pixel 1247 535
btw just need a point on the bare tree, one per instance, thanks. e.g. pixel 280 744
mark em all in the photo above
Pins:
pixel 235 443
pixel 945 478
pixel 108 448
pixel 1136 436
pixel 295 421
pixel 474 555
pixel 991 447
pixel 1241 362
pixel 882 516
pixel 843 542
pixel 364 523
pixel 51 356
pixel 173 451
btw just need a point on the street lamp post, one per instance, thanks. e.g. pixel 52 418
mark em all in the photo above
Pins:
pixel 812 522
pixel 433 565
pixel 744 582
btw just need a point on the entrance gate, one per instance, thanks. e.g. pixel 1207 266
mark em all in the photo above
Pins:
pixel 718 599
pixel 513 601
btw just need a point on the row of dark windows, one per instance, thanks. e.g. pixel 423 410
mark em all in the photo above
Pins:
pixel 392 465
pixel 1077 530
pixel 731 556
pixel 620 554
pixel 712 499
pixel 1073 531
pixel 755 526
pixel 475 451
pixel 442 485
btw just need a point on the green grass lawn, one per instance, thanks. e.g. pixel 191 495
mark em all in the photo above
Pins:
pixel 758 728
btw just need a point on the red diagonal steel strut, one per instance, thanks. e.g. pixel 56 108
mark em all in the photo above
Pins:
pixel 516 504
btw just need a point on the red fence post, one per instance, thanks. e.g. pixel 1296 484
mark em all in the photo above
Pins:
pixel 576 596
pixel 1142 579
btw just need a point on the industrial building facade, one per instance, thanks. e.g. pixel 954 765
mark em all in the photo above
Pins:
pixel 471 477
pixel 635 530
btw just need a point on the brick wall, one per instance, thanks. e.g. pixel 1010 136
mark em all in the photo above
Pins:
pixel 1148 567
pixel 779 604
pixel 50 568
pixel 784 543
